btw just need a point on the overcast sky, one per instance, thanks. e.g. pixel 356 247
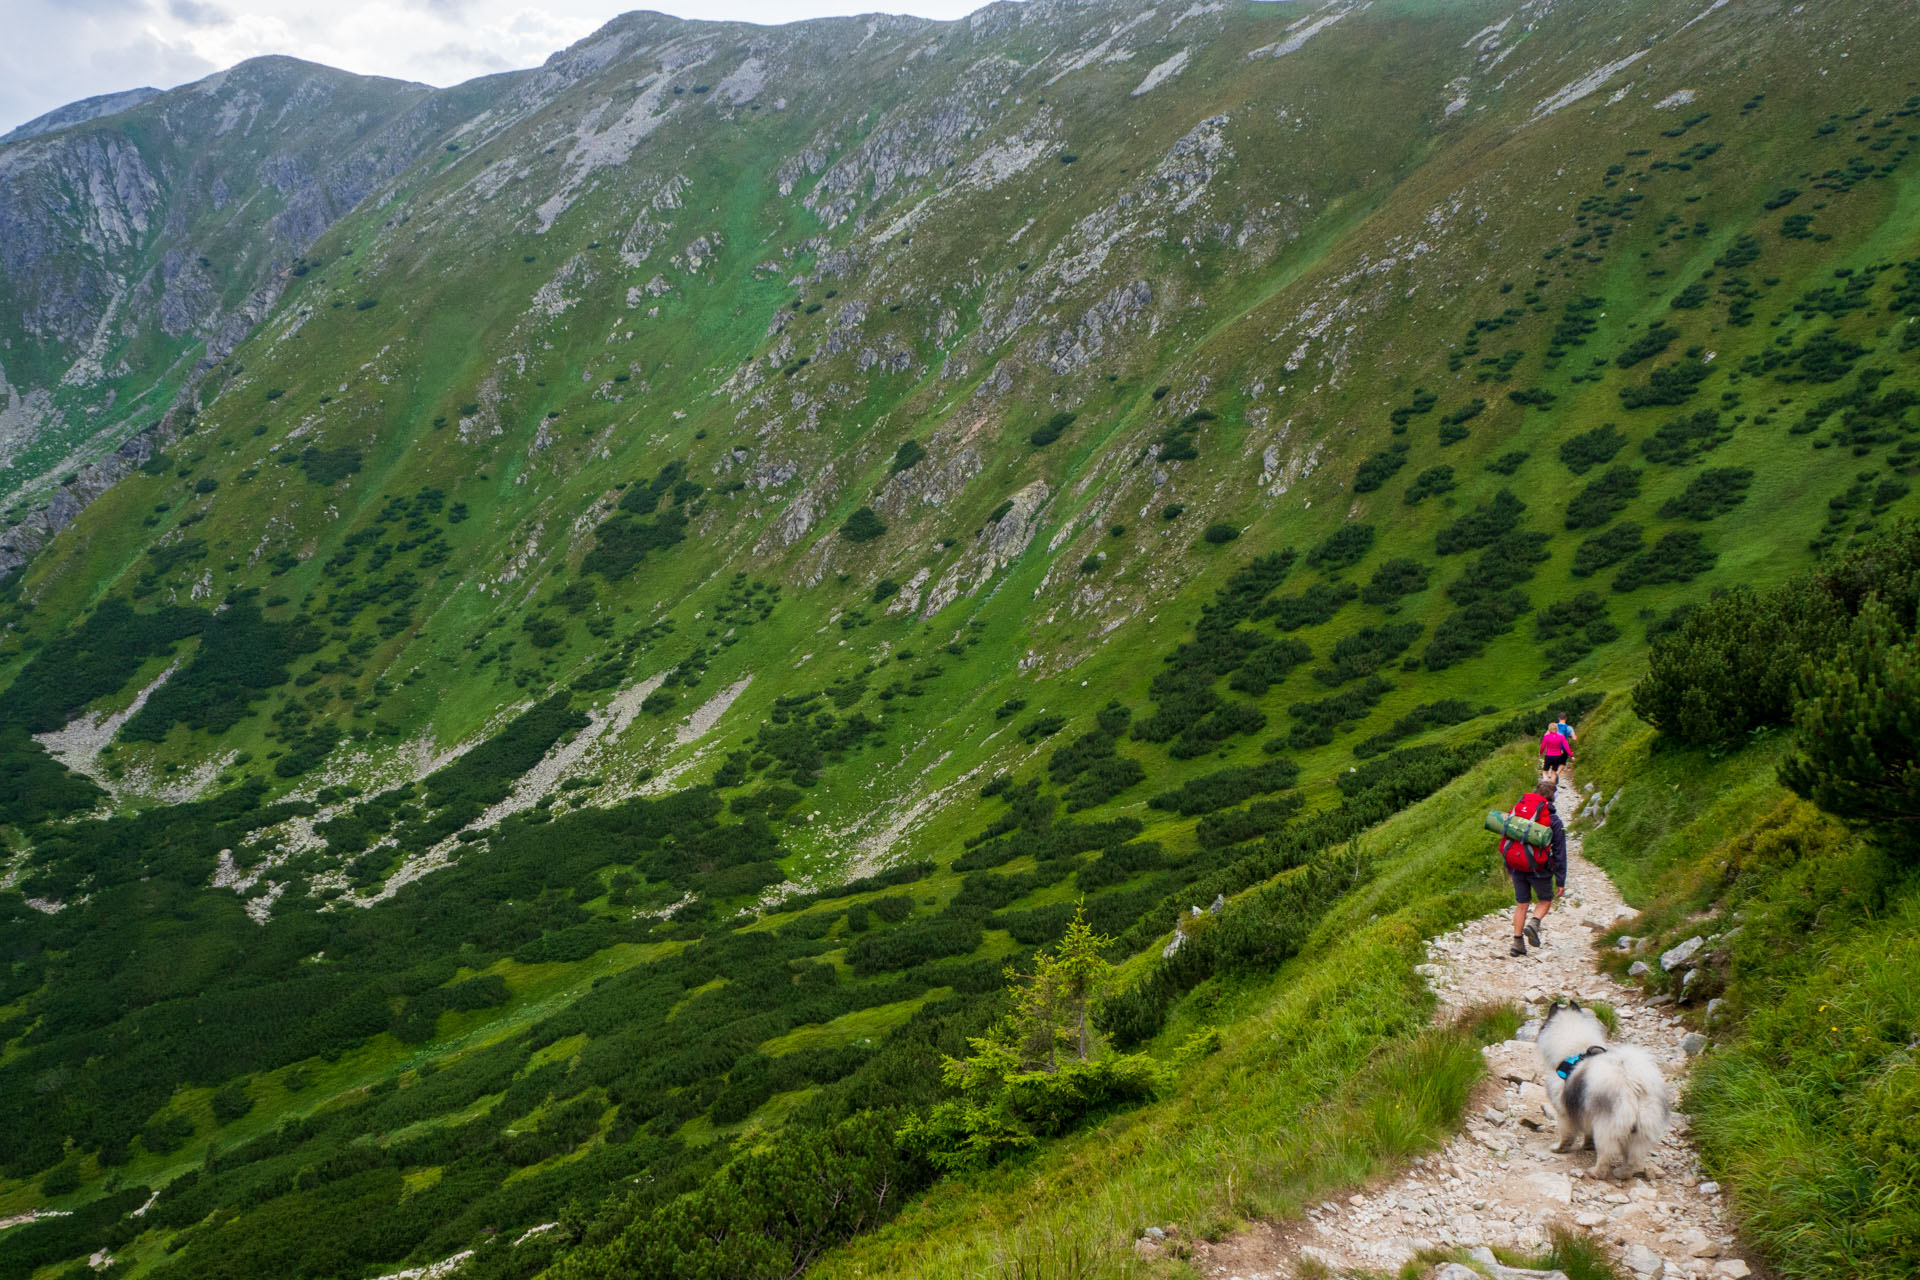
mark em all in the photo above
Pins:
pixel 56 51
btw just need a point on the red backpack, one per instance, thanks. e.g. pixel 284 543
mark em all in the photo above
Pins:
pixel 1529 817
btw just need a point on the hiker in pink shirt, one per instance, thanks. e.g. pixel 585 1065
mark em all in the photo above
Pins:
pixel 1555 750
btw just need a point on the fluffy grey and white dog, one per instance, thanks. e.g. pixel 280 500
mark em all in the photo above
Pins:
pixel 1610 1096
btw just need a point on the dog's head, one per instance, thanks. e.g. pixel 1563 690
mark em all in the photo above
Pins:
pixel 1560 1007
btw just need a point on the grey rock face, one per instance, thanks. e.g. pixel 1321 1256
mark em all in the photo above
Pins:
pixel 1069 351
pixel 18 544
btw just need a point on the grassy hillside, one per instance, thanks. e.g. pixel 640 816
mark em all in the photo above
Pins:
pixel 1804 1105
pixel 722 555
pixel 1327 1071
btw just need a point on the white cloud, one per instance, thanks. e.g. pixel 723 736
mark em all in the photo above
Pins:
pixel 58 51
pixel 195 13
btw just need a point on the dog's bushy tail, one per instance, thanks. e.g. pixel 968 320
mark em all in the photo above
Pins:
pixel 1629 1125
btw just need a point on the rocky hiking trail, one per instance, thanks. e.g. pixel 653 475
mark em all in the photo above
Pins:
pixel 1497 1184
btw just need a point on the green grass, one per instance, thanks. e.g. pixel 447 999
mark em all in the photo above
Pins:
pixel 864 1025
pixel 1329 1075
pixel 451 316
pixel 1804 1107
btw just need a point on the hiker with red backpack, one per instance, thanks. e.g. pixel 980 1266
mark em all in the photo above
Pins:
pixel 1528 848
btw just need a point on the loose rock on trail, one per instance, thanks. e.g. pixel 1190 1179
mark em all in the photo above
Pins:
pixel 1497 1183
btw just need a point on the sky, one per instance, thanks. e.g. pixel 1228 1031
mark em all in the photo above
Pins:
pixel 58 51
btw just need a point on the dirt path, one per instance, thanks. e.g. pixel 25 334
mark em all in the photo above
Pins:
pixel 1497 1183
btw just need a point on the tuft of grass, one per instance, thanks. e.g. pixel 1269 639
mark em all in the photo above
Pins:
pixel 1608 1017
pixel 1573 1253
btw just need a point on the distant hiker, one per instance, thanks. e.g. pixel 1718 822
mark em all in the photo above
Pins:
pixel 1526 847
pixel 1555 750
pixel 1566 730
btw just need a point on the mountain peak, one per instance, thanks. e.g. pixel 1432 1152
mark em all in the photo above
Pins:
pixel 104 104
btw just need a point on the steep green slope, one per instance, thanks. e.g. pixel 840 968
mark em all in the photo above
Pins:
pixel 144 244
pixel 738 461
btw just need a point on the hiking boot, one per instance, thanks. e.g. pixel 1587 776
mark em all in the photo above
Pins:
pixel 1533 932
pixel 1519 947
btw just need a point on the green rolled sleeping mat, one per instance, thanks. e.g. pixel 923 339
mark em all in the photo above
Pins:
pixel 1505 824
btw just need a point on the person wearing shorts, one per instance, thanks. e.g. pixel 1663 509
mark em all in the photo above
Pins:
pixel 1535 888
pixel 1555 751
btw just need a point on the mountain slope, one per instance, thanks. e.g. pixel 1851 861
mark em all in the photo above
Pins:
pixel 148 234
pixel 1080 451
pixel 80 112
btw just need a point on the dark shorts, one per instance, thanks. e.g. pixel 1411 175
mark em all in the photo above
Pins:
pixel 1531 886
pixel 1552 762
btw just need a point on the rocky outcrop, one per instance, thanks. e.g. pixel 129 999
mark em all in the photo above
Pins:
pixel 64 505
pixel 996 546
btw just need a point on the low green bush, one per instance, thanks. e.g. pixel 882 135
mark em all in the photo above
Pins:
pixel 1571 629
pixel 1428 715
pixel 1465 633
pixel 1268 665
pixel 326 467
pixel 1254 934
pixel 1857 743
pixel 1680 556
pixel 1603 499
pixel 1732 665
pixel 1052 429
pixel 1604 550
pixel 1313 606
pixel 1592 449
pixel 1394 580
pixel 1224 828
pixel 1317 722
pixel 1176 443
pixel 1712 493
pixel 1343 548
pixel 1363 652
pixel 1667 385
pixel 1380 468
pixel 1655 340
pixel 1226 787
pixel 1430 483
pixel 1481 526
pixel 862 526
pixel 1684 439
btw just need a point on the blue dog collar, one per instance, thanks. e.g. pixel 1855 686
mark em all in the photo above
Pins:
pixel 1565 1069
